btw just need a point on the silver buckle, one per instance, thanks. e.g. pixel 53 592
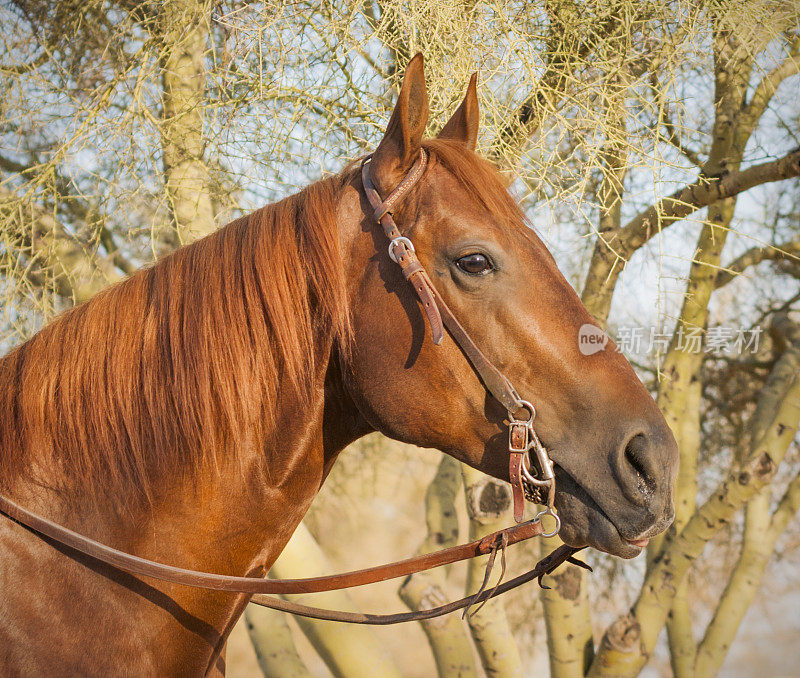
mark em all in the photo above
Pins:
pixel 549 511
pixel 397 241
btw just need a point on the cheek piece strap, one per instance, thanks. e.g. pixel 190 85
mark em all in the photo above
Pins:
pixel 537 482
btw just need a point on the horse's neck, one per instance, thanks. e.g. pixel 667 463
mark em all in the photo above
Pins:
pixel 233 521
pixel 239 517
pixel 240 522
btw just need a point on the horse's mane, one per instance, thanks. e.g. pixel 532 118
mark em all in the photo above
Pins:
pixel 168 369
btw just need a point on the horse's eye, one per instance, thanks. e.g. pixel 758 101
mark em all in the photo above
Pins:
pixel 474 264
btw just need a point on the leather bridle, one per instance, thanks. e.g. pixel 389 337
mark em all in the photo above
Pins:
pixel 522 438
pixel 537 486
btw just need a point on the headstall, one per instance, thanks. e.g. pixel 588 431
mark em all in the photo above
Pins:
pixel 538 486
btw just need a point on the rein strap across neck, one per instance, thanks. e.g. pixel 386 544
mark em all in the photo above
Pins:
pixel 258 586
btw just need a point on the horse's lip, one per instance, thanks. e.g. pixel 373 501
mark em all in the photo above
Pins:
pixel 638 543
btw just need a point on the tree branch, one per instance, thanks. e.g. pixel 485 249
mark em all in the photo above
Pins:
pixel 563 53
pixel 766 89
pixel 488 506
pixel 701 193
pixel 672 137
pixel 449 643
pixel 275 650
pixel 740 589
pixel 117 258
pixel 754 256
pixel 761 531
pixel 347 649
pixel 72 268
pixel 611 255
pixel 183 31
pixel 787 508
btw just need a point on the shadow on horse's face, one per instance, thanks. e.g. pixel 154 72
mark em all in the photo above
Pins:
pixel 615 456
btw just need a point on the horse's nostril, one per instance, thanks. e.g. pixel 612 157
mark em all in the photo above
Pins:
pixel 636 457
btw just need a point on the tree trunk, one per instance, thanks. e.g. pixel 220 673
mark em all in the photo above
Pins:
pixel 272 640
pixel 629 642
pixel 446 635
pixel 349 650
pixel 570 642
pixel 761 531
pixel 184 27
pixel 488 507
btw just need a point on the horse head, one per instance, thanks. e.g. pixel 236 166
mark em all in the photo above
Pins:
pixel 615 457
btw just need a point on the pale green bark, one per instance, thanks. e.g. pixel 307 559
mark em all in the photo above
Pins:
pixel 566 604
pixel 272 641
pixel 450 644
pixel 183 27
pixel 570 642
pixel 761 531
pixel 740 589
pixel 614 159
pixel 488 507
pixel 349 650
pixel 680 389
pixel 57 258
pixel 604 271
pixel 629 642
pixel 613 251
pixel 679 396
pixel 631 637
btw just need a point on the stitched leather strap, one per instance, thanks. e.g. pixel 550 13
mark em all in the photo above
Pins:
pixel 258 587
pixel 234 584
pixel 404 255
pixel 517 441
pixel 437 311
pixel 493 379
pixel 563 554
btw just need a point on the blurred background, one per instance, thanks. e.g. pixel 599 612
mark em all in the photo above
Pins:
pixel 654 145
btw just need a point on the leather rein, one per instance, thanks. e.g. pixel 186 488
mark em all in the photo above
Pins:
pixel 535 485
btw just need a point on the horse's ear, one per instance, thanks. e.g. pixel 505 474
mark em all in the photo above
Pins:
pixel 400 146
pixel 463 126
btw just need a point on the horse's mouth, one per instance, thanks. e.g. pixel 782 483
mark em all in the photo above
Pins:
pixel 584 523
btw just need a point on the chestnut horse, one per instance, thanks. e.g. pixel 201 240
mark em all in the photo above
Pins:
pixel 191 413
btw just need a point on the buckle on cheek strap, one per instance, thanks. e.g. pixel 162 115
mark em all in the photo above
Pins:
pixel 401 249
